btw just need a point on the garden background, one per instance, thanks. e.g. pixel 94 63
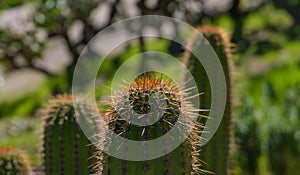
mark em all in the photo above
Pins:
pixel 41 40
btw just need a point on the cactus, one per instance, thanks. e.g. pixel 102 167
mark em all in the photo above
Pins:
pixel 184 159
pixel 218 151
pixel 66 149
pixel 13 162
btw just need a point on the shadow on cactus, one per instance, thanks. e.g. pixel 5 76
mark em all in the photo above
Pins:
pixel 14 162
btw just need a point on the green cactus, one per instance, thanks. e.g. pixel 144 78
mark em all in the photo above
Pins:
pixel 182 160
pixel 13 162
pixel 218 151
pixel 66 149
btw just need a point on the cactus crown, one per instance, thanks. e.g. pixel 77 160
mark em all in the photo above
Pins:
pixel 150 93
pixel 14 162
pixel 145 86
pixel 146 95
pixel 219 40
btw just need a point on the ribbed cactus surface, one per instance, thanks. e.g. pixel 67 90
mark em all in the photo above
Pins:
pixel 66 149
pixel 13 162
pixel 151 93
pixel 218 151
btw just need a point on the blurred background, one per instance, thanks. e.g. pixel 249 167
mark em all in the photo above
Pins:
pixel 41 40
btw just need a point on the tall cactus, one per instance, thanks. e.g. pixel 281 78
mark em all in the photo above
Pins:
pixel 184 159
pixel 13 162
pixel 66 149
pixel 218 151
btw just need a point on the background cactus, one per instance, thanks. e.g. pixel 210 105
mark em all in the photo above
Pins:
pixel 13 162
pixel 218 151
pixel 182 160
pixel 66 149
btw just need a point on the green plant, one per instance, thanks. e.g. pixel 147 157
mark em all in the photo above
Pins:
pixel 13 162
pixel 218 151
pixel 66 149
pixel 61 124
pixel 137 96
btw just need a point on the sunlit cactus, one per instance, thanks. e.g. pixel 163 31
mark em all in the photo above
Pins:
pixel 14 162
pixel 141 96
pixel 218 151
pixel 66 149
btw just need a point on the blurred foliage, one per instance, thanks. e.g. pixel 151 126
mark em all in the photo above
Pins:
pixel 266 34
pixel 6 4
pixel 23 133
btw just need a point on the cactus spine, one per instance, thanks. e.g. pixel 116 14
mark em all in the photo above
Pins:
pixel 66 149
pixel 218 151
pixel 182 160
pixel 13 162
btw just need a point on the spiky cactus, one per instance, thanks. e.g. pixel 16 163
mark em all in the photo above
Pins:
pixel 218 151
pixel 13 162
pixel 66 149
pixel 137 96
